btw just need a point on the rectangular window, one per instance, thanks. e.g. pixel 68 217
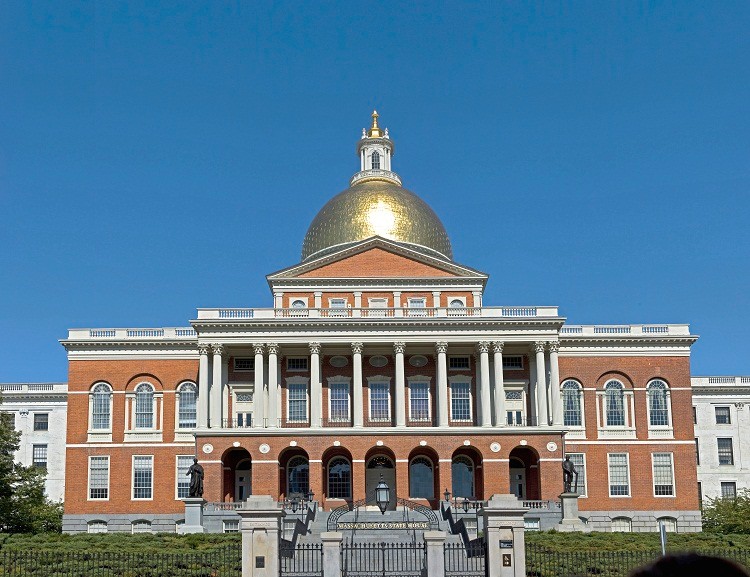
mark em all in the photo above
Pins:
pixel 337 303
pixel 458 363
pixel 579 460
pixel 378 303
pixel 697 453
pixel 296 363
pixel 663 474
pixel 722 416
pixel 619 475
pixel 339 402
pixel 244 364
pixel 728 489
pixel 143 477
pixel 297 403
pixel 419 401
pixel 98 477
pixel 695 416
pixel 726 451
pixel 231 526
pixel 417 303
pixel 380 406
pixel 183 481
pixel 41 421
pixel 39 456
pixel 460 402
pixel 512 362
pixel 530 524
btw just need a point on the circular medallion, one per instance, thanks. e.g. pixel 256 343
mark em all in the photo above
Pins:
pixel 339 361
pixel 264 448
pixel 379 443
pixel 495 447
pixel 417 360
pixel 551 447
pixel 523 442
pixel 378 361
pixel 236 444
pixel 337 443
pixel 292 443
pixel 422 443
pixel 208 448
pixel 467 442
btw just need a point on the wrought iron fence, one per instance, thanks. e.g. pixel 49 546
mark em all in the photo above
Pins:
pixel 461 561
pixel 303 560
pixel 383 559
pixel 225 562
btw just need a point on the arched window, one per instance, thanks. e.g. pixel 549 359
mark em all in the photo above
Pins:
pixel 462 473
pixel 421 483
pixel 571 397
pixel 669 523
pixel 101 399
pixel 456 304
pixel 615 404
pixel 298 304
pixel 621 525
pixel 144 406
pixel 658 404
pixel 97 526
pixel 141 526
pixel 376 159
pixel 339 479
pixel 187 412
pixel 298 476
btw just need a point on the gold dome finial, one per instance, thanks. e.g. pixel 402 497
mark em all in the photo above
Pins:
pixel 374 131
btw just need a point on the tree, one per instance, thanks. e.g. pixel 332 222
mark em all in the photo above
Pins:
pixel 728 514
pixel 23 505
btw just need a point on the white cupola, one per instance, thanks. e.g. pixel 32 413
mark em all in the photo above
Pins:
pixel 375 150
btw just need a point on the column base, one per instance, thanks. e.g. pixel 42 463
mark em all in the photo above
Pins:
pixel 570 521
pixel 193 515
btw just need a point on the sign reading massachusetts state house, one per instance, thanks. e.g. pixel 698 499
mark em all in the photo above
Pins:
pixel 385 525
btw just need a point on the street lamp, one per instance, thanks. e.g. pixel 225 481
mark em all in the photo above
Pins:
pixel 447 495
pixel 382 495
pixel 310 495
pixel 294 505
pixel 466 505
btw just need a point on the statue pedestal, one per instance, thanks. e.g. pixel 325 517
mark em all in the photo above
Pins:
pixel 193 515
pixel 570 520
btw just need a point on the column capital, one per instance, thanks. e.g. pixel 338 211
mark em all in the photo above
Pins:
pixel 314 348
pixel 441 347
pixel 538 346
pixel 483 346
pixel 399 348
pixel 217 348
pixel 553 346
pixel 273 348
pixel 357 348
pixel 259 348
pixel 203 348
pixel 497 346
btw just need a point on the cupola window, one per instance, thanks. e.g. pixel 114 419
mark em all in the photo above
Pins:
pixel 376 159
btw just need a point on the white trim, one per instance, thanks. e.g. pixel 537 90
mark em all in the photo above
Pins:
pixel 177 397
pixel 177 475
pixel 88 487
pixel 378 380
pixel 609 476
pixel 448 362
pixel 653 476
pixel 301 357
pixel 582 426
pixel 629 442
pixel 341 380
pixel 660 430
pixel 132 479
pixel 420 379
pixel 90 393
pixel 297 380
pixel 460 379
pixel 120 445
pixel 585 472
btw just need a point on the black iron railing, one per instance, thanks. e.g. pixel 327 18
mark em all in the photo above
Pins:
pixel 383 559
pixel 461 561
pixel 302 560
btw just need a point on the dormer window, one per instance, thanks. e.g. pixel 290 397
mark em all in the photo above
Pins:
pixel 375 159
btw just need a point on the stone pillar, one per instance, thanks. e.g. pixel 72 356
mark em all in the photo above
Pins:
pixel 485 403
pixel 554 384
pixel 570 520
pixel 399 348
pixel 273 377
pixel 260 526
pixel 216 385
pixel 193 515
pixel 316 387
pixel 503 529
pixel 259 395
pixel 541 385
pixel 434 541
pixel 358 408
pixel 202 387
pixel 442 384
pixel 497 361
pixel 331 553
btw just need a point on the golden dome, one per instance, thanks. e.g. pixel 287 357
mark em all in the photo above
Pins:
pixel 376 208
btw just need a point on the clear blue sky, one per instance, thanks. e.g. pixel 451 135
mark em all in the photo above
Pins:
pixel 156 158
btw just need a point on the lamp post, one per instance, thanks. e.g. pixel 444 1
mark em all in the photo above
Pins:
pixel 466 505
pixel 382 495
pixel 447 495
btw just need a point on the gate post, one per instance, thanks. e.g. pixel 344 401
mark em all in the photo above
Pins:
pixel 434 541
pixel 331 553
pixel 261 533
pixel 503 528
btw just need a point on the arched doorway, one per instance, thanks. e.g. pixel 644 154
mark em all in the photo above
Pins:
pixel 380 466
pixel 238 475
pixel 337 474
pixel 294 474
pixel 523 468
pixel 466 474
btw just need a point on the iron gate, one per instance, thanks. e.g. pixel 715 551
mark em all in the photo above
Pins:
pixel 383 559
pixel 303 560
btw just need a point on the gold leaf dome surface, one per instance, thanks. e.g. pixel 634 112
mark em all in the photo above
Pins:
pixel 376 208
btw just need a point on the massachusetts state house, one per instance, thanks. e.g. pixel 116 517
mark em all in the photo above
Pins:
pixel 378 357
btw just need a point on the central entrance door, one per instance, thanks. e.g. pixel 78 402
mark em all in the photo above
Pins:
pixel 377 467
pixel 242 480
pixel 517 478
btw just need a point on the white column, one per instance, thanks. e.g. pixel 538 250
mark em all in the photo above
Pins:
pixel 399 348
pixel 278 300
pixel 398 311
pixel 259 395
pixel 357 397
pixel 273 396
pixel 215 407
pixel 202 387
pixel 318 299
pixel 436 299
pixel 477 298
pixel 485 403
pixel 541 384
pixel 497 361
pixel 554 384
pixel 442 384
pixel 316 387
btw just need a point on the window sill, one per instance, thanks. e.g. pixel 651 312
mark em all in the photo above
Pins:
pixel 622 433
pixel 143 436
pixel 576 434
pixel 184 435
pixel 99 437
pixel 667 433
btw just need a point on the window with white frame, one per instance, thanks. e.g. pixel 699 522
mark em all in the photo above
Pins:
pixel 375 160
pixel 614 395
pixel 512 362
pixel 726 451
pixel 417 306
pixel 144 406
pixel 619 474
pixel 460 401
pixel 531 524
pixel 337 303
pixel 297 402
pixel 143 476
pixel 187 411
pixel 658 404
pixel 663 474
pixel 728 489
pixel 244 364
pixel 182 488
pixel 96 526
pixel 579 460
pixel 723 416
pixel 419 400
pixel 621 525
pixel 377 303
pixel 296 363
pixel 338 392
pixel 141 526
pixel 380 401
pixel 101 407
pixel 231 525
pixel 299 304
pixel 571 400
pixel 458 363
pixel 99 477
pixel 39 456
pixel 457 303
pixel 669 524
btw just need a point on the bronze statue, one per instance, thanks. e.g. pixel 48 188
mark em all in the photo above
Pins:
pixel 569 471
pixel 196 479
